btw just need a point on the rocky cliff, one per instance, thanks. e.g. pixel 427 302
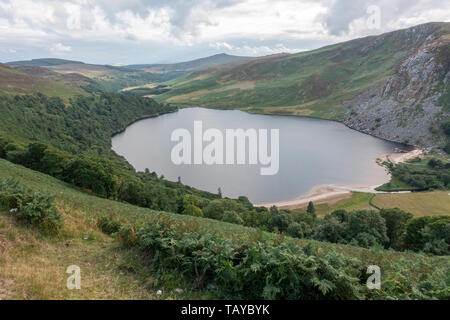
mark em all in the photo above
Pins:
pixel 409 106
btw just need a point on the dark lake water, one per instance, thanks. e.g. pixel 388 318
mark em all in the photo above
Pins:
pixel 312 152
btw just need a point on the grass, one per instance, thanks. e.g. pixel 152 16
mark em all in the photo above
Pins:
pixel 13 81
pixel 318 79
pixel 33 266
pixel 417 203
pixel 358 201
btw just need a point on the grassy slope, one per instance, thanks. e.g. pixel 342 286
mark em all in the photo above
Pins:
pixel 13 81
pixel 30 263
pixel 308 83
pixel 419 204
pixel 27 273
pixel 192 65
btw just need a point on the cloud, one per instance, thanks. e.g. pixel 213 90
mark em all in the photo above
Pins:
pixel 59 48
pixel 178 29
pixel 248 50
pixel 353 18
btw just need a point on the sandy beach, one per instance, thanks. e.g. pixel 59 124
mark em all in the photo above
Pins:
pixel 334 193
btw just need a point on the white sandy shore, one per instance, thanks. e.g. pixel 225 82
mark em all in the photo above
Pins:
pixel 334 193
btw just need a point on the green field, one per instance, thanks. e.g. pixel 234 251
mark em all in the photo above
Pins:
pixel 418 203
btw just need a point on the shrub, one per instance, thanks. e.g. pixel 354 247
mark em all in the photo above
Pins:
pixel 252 271
pixel 41 212
pixel 35 208
pixel 430 234
pixel 396 221
pixel 12 195
pixel 232 217
pixel 127 236
pixel 299 230
pixel 109 224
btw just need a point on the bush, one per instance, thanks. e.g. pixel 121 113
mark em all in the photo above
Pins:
pixel 396 221
pixel 430 234
pixel 299 230
pixel 250 271
pixel 364 228
pixel 109 224
pixel 127 236
pixel 35 208
pixel 41 212
pixel 12 195
pixel 232 217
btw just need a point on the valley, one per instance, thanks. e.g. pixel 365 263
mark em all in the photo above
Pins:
pixel 86 176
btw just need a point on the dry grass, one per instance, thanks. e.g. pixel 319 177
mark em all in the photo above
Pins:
pixel 33 266
pixel 417 203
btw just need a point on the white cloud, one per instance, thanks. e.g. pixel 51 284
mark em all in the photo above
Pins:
pixel 248 50
pixel 59 48
pixel 252 27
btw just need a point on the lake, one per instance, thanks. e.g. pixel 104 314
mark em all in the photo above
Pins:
pixel 312 152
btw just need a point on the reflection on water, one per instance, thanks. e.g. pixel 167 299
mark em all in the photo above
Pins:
pixel 312 152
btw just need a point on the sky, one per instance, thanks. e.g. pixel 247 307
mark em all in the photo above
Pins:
pixel 163 31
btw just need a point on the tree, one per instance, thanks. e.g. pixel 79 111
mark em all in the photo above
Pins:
pixel 311 210
pixel 219 193
pixel 331 230
pixel 396 221
pixel 190 204
pixel 367 222
pixel 428 233
pixel 232 217
pixel 299 230
pixel 217 208
pixel 280 222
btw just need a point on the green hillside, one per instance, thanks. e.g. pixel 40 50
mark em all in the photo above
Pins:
pixel 67 198
pixel 128 276
pixel 13 81
pixel 307 83
pixel 189 66
pixel 45 62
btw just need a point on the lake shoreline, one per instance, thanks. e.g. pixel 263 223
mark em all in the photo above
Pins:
pixel 333 193
pixel 319 194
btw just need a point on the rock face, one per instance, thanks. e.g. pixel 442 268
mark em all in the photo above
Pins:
pixel 406 107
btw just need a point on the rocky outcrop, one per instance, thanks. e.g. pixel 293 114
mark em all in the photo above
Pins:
pixel 406 107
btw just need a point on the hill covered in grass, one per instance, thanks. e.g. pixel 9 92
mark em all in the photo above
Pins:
pixel 189 66
pixel 13 81
pixel 388 85
pixel 126 273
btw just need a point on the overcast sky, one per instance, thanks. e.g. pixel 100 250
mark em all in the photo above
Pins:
pixel 153 31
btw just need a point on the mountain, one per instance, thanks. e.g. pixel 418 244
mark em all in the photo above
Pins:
pixel 92 77
pixel 46 62
pixel 388 85
pixel 194 65
pixel 71 79
pixel 14 81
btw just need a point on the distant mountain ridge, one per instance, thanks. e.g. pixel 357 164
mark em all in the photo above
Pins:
pixel 193 65
pixel 44 62
pixel 15 81
pixel 388 85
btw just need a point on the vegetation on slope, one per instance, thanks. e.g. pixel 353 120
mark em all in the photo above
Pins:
pixel 184 253
pixel 307 83
pixel 418 174
pixel 13 81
